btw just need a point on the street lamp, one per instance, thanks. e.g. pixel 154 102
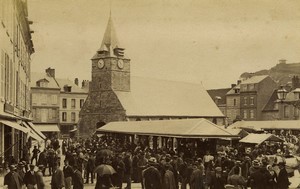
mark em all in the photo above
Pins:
pixel 281 94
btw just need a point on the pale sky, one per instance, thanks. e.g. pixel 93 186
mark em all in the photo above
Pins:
pixel 200 41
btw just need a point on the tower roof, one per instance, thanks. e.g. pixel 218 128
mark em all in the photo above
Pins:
pixel 110 40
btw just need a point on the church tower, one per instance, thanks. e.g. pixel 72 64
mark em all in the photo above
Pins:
pixel 110 73
pixel 110 67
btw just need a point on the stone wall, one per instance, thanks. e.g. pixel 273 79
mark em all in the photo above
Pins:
pixel 100 107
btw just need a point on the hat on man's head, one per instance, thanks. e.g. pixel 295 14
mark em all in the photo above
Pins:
pixel 255 163
pixel 32 166
pixel 41 166
pixel 281 164
pixel 218 169
pixel 152 160
pixel 20 164
pixel 12 167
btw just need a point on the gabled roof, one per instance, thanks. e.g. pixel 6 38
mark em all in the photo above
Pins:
pixel 268 125
pixel 154 97
pixel 188 128
pixel 255 79
pixel 271 104
pixel 43 76
pixel 232 91
pixel 75 88
pixel 260 138
pixel 213 93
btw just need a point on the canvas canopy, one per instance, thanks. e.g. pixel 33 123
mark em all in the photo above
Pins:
pixel 267 125
pixel 183 128
pixel 260 138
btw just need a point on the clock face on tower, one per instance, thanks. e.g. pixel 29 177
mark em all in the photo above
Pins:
pixel 100 63
pixel 120 63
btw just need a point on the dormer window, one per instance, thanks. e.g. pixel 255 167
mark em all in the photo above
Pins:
pixel 42 83
pixel 67 88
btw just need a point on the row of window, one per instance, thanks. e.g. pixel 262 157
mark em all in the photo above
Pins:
pixel 65 116
pixel 247 87
pixel 248 101
pixel 12 87
pixel 249 114
pixel 44 114
pixel 73 103
pixel 44 99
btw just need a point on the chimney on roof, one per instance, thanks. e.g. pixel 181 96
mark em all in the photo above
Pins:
pixel 50 72
pixel 282 61
pixel 76 81
pixel 233 85
pixel 295 82
pixel 239 81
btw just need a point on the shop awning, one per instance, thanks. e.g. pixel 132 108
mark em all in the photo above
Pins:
pixel 32 133
pixel 15 125
pixel 181 128
pixel 260 138
pixel 36 130
pixel 48 127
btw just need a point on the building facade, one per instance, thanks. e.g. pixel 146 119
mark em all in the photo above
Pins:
pixel 254 95
pixel 16 48
pixel 115 95
pixel 45 102
pixel 71 100
pixel 233 104
pixel 56 103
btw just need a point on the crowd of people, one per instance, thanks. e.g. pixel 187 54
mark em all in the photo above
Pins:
pixel 124 163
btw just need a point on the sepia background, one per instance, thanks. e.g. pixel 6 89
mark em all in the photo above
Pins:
pixel 206 41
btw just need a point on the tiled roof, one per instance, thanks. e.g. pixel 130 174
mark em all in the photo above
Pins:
pixel 40 76
pixel 154 97
pixel 75 88
pixel 254 79
pixel 181 128
pixel 218 93
pixel 271 104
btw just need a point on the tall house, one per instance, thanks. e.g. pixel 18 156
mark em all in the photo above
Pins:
pixel 45 102
pixel 71 100
pixel 16 47
pixel 233 104
pixel 114 95
pixel 254 95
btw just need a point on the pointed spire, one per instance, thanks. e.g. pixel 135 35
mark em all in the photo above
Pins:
pixel 110 40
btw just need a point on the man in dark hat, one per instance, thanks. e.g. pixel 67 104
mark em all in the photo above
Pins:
pixel 20 170
pixel 128 170
pixel 57 180
pixel 119 166
pixel 217 180
pixel 77 178
pixel 39 178
pixel 12 179
pixel 282 178
pixel 90 166
pixel 29 178
pixel 256 176
pixel 68 172
pixel 151 176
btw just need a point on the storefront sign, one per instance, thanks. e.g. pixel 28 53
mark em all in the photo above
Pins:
pixel 8 108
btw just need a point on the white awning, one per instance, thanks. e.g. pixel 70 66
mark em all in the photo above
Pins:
pixel 32 134
pixel 15 125
pixel 36 130
pixel 48 127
